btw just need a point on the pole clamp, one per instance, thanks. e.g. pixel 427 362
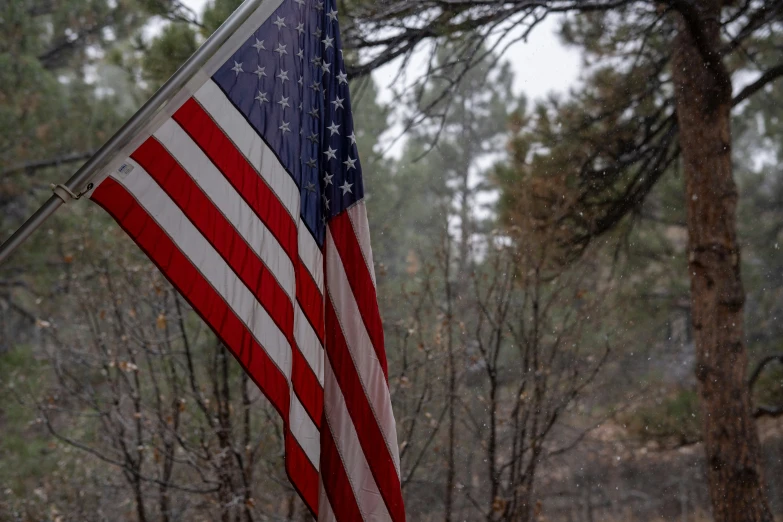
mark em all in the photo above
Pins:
pixel 66 194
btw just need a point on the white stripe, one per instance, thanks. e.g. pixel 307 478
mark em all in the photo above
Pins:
pixel 305 431
pixel 359 344
pixel 250 144
pixel 325 513
pixel 229 203
pixel 368 497
pixel 211 266
pixel 308 343
pixel 311 255
pixel 361 227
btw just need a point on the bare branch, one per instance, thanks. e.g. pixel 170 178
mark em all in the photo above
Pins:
pixel 31 167
pixel 768 77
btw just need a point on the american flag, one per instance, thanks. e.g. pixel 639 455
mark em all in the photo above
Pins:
pixel 246 191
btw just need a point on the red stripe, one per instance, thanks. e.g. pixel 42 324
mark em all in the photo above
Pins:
pixel 335 480
pixel 198 124
pixel 196 205
pixel 301 472
pixel 359 278
pixel 195 289
pixel 310 299
pixel 370 436
pixel 132 217
pixel 307 388
pixel 235 167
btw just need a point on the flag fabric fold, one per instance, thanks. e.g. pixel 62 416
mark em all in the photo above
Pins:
pixel 246 191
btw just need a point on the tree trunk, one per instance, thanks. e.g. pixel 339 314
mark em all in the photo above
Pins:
pixel 703 94
pixel 452 383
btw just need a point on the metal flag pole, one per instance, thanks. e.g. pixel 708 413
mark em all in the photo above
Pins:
pixel 79 182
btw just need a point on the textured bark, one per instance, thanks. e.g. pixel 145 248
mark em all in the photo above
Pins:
pixel 703 94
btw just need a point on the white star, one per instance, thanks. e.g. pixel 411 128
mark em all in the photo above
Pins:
pixel 333 128
pixel 281 49
pixel 338 103
pixel 332 15
pixel 316 86
pixel 327 42
pixel 346 187
pixel 325 67
pixel 328 178
pixel 330 153
pixel 313 112
pixel 280 22
pixel 310 187
pixel 283 75
pixel 300 2
pixel 300 108
pixel 300 54
pixel 311 163
pixel 317 33
pixel 350 164
pixel 352 137
pixel 342 78
pixel 260 71
pixel 299 81
pixel 300 27
pixel 316 60
pixel 283 102
pixel 261 97
pixel 237 68
pixel 313 138
pixel 319 6
pixel 326 201
pixel 259 45
pixel 285 127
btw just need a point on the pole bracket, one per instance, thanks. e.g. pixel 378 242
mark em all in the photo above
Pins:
pixel 64 193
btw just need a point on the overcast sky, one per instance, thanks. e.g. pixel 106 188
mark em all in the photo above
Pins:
pixel 541 65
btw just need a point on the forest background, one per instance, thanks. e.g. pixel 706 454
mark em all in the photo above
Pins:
pixel 532 378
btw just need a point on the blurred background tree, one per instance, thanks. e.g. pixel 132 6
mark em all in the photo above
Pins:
pixel 657 98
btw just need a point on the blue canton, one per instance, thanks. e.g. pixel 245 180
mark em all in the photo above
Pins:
pixel 288 80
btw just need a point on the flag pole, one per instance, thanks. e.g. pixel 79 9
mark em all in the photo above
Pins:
pixel 80 181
